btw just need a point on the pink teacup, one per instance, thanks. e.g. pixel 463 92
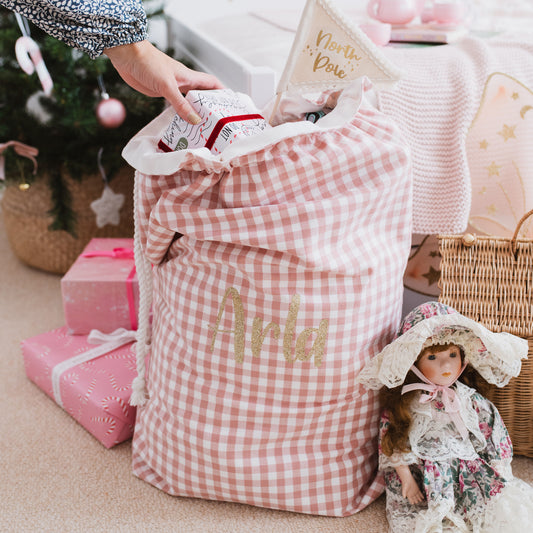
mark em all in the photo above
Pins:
pixel 449 12
pixel 395 11
pixel 378 32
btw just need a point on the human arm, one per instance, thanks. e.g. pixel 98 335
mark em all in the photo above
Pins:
pixel 84 24
pixel 148 70
pixel 117 28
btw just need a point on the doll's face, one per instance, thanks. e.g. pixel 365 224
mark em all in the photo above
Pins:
pixel 441 366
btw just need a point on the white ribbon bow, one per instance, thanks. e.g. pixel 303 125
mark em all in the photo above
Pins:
pixel 107 342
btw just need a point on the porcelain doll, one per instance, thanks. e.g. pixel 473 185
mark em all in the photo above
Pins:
pixel 443 447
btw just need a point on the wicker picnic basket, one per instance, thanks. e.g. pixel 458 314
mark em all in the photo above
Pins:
pixel 490 279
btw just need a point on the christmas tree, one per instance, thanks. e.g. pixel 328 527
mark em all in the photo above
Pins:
pixel 63 126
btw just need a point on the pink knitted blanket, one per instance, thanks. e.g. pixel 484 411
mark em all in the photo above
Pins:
pixel 434 105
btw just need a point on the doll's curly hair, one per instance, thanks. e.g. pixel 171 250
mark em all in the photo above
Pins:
pixel 397 405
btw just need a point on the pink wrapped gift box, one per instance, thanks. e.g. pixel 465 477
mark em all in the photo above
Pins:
pixel 100 290
pixel 95 392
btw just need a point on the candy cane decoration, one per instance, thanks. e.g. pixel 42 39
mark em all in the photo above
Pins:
pixel 106 420
pixel 30 60
pixel 122 404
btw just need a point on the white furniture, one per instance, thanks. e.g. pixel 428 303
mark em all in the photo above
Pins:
pixel 245 43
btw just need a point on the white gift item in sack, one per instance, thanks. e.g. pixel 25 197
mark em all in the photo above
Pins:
pixel 286 280
pixel 226 116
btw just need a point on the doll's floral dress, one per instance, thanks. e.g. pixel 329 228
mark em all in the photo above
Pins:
pixel 468 484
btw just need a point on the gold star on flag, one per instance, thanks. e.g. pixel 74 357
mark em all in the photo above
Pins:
pixel 494 169
pixel 484 144
pixel 507 132
pixel 491 209
pixel 515 96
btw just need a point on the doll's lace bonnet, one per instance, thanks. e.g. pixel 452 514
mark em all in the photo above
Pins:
pixel 496 356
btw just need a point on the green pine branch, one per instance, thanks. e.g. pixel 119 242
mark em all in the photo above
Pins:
pixel 63 216
pixel 70 139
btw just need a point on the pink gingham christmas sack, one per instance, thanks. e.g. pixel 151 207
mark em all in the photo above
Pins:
pixel 277 274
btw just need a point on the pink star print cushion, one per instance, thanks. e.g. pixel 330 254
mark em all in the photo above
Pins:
pixel 287 278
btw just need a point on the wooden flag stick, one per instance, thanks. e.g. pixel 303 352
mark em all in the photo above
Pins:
pixel 275 108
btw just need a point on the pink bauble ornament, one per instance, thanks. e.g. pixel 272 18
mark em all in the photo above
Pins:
pixel 110 112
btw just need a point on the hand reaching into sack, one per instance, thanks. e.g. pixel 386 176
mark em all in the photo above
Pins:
pixel 150 71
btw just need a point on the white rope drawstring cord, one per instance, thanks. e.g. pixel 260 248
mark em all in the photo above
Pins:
pixel 144 274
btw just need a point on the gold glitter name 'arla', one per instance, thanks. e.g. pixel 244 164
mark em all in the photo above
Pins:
pixel 316 351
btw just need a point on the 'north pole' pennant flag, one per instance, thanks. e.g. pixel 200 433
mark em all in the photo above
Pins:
pixel 329 51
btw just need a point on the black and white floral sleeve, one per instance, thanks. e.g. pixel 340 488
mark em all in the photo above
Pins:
pixel 90 25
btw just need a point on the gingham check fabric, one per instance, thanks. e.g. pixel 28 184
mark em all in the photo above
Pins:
pixel 287 279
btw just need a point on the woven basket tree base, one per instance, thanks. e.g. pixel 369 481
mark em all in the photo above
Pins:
pixel 27 222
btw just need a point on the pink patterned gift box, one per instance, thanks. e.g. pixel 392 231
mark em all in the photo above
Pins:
pixel 95 392
pixel 226 116
pixel 100 290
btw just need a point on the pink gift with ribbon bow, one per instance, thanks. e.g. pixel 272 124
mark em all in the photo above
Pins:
pixel 100 290
pixel 88 376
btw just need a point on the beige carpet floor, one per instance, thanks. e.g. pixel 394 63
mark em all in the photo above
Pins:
pixel 55 477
